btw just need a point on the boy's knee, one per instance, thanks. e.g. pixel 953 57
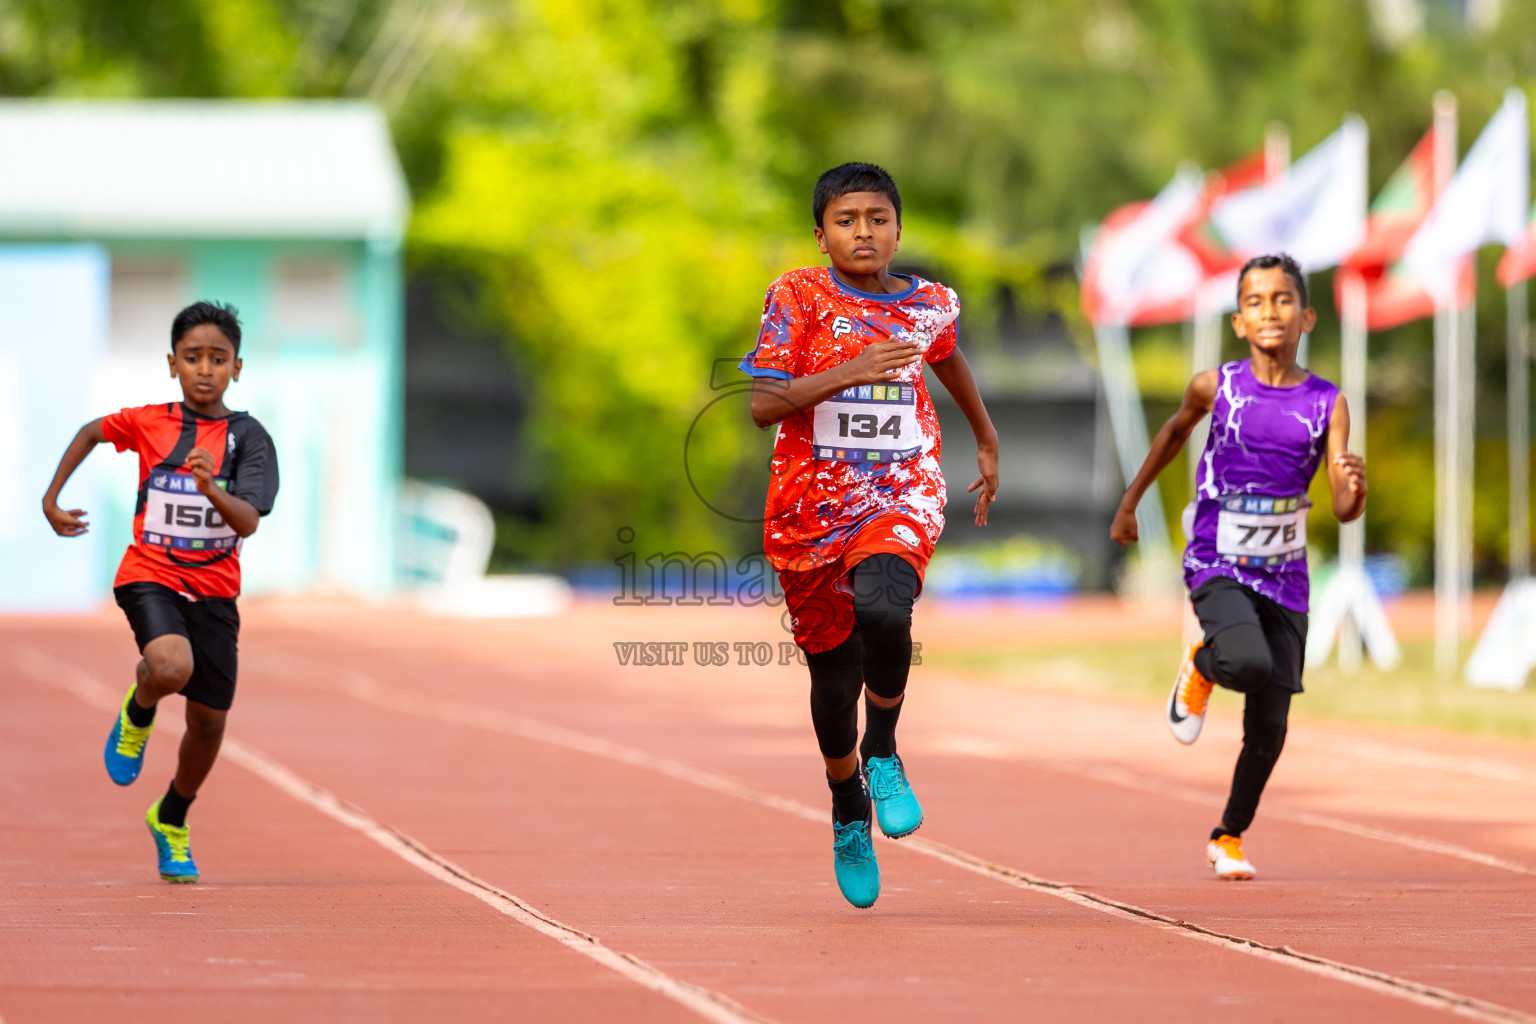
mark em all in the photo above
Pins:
pixel 837 694
pixel 836 679
pixel 883 618
pixel 169 669
pixel 1242 658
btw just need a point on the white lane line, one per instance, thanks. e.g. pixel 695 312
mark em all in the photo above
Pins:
pixel 1412 757
pixel 710 1005
pixel 989 749
pixel 366 689
pixel 1327 821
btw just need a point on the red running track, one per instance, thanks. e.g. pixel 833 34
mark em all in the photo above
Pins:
pixel 424 819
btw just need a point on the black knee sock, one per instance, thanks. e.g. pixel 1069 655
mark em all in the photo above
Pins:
pixel 879 729
pixel 850 800
pixel 173 806
pixel 140 717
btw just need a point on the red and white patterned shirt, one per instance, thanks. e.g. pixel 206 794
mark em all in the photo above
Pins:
pixel 869 450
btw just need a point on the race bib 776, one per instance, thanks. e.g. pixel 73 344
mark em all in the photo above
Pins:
pixel 1254 529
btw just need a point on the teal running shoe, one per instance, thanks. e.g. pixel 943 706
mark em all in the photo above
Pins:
pixel 896 807
pixel 125 746
pixel 173 843
pixel 853 861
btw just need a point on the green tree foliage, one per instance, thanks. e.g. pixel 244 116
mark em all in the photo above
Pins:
pixel 624 177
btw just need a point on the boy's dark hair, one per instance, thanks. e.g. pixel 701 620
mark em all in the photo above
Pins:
pixel 855 177
pixel 221 314
pixel 1284 262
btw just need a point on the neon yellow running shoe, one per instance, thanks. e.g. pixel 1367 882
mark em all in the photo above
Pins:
pixel 125 746
pixel 173 842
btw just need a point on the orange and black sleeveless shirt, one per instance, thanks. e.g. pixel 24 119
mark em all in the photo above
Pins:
pixel 179 538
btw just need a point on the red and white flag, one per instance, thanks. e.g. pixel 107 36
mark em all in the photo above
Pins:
pixel 1135 271
pixel 1519 260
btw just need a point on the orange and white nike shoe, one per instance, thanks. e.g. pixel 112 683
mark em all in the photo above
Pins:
pixel 1225 854
pixel 1186 704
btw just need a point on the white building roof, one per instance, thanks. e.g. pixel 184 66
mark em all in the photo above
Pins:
pixel 198 168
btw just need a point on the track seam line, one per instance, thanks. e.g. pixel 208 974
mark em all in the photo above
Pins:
pixel 1415 757
pixel 369 690
pixel 954 743
pixel 712 1006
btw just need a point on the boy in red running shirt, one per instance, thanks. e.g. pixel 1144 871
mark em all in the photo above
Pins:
pixel 206 477
pixel 856 500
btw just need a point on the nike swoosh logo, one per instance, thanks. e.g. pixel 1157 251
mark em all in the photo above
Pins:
pixel 1173 710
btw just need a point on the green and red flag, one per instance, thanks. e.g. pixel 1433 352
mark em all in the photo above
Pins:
pixel 1393 295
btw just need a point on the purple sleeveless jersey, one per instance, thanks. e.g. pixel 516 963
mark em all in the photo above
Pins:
pixel 1250 503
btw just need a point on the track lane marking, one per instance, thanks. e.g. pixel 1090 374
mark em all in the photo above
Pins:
pixel 708 1004
pixel 368 690
pixel 1413 757
pixel 994 750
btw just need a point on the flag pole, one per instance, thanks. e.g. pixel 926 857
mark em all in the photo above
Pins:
pixel 1506 652
pixel 1519 355
pixel 1352 368
pixel 1128 421
pixel 1448 513
pixel 1349 608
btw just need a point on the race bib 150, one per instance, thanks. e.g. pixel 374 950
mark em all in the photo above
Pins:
pixel 869 423
pixel 176 515
pixel 1253 529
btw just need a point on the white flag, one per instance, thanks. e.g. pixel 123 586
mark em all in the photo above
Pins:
pixel 1485 202
pixel 1315 211
pixel 1136 267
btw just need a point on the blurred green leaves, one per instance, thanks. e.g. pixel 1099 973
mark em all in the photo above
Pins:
pixel 624 177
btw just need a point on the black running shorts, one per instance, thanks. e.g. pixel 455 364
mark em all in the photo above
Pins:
pixel 210 624
pixel 1221 602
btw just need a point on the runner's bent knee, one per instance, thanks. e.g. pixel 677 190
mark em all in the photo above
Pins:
pixel 1242 660
pixel 169 661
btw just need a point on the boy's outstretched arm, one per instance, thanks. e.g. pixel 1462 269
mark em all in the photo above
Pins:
pixel 955 374
pixel 1346 470
pixel 1199 400
pixel 70 523
pixel 775 399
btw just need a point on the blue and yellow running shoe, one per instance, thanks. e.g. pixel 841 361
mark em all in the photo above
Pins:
pixel 853 861
pixel 173 843
pixel 125 746
pixel 896 807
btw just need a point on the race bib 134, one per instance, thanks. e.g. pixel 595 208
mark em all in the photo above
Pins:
pixel 869 423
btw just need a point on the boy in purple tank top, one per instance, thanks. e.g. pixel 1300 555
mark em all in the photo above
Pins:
pixel 1245 564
